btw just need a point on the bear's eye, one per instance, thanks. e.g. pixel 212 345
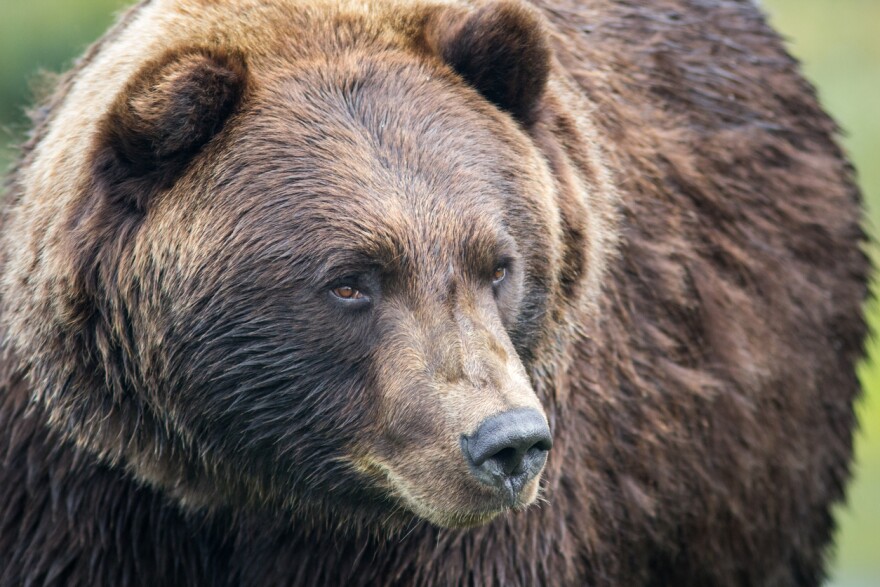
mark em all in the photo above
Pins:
pixel 498 275
pixel 348 293
pixel 353 290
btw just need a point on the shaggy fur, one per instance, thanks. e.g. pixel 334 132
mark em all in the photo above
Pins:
pixel 183 404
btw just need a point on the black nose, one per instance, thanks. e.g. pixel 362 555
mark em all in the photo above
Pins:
pixel 508 449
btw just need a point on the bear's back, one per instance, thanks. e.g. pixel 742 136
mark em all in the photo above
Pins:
pixel 734 318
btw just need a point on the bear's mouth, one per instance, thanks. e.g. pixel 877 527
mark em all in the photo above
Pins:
pixel 470 519
pixel 453 519
pixel 477 514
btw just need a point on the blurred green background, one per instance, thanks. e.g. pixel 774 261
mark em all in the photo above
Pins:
pixel 839 44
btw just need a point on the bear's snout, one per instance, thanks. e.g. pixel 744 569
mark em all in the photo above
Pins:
pixel 508 450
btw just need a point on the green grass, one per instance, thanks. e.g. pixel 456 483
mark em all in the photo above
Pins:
pixel 839 43
pixel 41 34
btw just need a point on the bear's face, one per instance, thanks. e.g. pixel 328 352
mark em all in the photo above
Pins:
pixel 319 283
pixel 368 265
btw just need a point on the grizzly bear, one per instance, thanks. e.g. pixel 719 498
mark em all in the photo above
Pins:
pixel 441 292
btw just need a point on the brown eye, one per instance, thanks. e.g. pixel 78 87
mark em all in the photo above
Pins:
pixel 347 292
pixel 498 275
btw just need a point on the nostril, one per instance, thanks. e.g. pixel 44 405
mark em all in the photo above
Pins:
pixel 508 459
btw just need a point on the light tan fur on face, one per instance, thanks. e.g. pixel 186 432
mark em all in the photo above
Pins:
pixel 440 379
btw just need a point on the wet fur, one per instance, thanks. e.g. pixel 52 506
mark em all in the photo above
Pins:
pixel 701 405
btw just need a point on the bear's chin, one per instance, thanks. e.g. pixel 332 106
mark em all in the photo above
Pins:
pixel 463 521
pixel 473 517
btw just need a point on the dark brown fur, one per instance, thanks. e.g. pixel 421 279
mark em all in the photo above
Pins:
pixel 168 112
pixel 700 401
pixel 502 53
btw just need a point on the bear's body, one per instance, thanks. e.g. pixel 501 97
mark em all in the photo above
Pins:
pixel 688 311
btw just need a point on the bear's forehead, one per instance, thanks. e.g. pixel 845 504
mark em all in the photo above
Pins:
pixel 338 219
pixel 394 112
pixel 381 161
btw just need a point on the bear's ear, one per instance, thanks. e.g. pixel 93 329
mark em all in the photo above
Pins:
pixel 169 110
pixel 500 49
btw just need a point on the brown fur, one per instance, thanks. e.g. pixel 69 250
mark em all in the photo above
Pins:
pixel 683 299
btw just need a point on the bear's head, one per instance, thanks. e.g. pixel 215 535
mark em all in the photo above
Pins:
pixel 324 269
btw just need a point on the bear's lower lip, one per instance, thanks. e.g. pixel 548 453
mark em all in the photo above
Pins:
pixel 507 501
pixel 468 518
pixel 480 511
